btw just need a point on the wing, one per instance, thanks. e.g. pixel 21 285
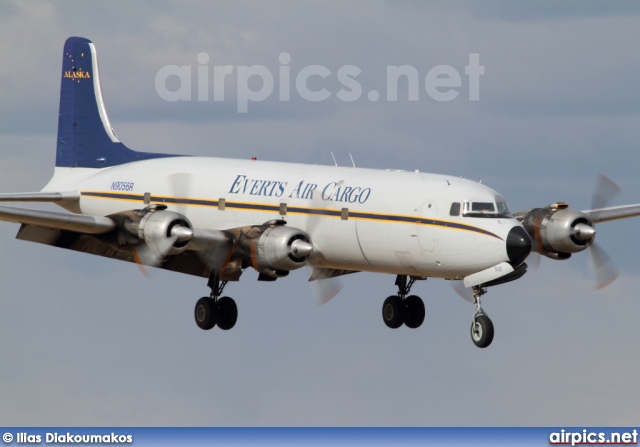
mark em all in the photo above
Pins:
pixel 67 196
pixel 79 223
pixel 613 213
pixel 193 252
pixel 162 238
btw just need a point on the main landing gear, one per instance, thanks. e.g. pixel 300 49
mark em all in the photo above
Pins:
pixel 212 310
pixel 402 309
pixel 481 327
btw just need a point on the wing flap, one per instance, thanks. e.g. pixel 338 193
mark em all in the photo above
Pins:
pixel 61 221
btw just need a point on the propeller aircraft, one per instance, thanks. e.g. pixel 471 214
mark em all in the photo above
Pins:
pixel 214 218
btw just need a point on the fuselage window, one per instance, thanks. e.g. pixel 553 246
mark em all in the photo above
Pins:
pixel 455 209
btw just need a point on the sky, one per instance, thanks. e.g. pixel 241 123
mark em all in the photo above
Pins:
pixel 91 341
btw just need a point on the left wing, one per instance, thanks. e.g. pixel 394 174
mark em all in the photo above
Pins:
pixel 613 213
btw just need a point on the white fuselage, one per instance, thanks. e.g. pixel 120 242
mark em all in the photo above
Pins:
pixel 372 220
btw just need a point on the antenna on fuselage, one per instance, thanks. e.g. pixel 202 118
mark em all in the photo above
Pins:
pixel 334 159
pixel 352 162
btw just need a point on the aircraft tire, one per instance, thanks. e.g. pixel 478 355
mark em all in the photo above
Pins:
pixel 206 313
pixel 413 311
pixel 482 331
pixel 393 312
pixel 227 313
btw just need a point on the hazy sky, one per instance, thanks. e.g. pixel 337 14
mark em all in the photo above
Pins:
pixel 91 341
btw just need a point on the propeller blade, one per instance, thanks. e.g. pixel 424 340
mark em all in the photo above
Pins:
pixel 325 284
pixel 139 263
pixel 465 294
pixel 534 260
pixel 180 184
pixel 313 218
pixel 144 255
pixel 606 189
pixel 326 289
pixel 603 269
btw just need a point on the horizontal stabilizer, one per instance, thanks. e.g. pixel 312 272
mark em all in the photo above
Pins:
pixel 60 221
pixel 70 196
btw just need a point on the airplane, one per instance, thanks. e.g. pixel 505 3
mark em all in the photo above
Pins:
pixel 214 217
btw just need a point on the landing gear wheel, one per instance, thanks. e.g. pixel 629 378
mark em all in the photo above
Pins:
pixel 413 311
pixel 482 331
pixel 393 312
pixel 227 313
pixel 206 313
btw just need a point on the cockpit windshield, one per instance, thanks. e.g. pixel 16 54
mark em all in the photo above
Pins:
pixel 486 209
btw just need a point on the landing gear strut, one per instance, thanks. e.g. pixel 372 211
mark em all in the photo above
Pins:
pixel 481 327
pixel 212 310
pixel 400 308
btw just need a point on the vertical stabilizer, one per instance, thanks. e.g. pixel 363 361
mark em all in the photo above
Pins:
pixel 85 136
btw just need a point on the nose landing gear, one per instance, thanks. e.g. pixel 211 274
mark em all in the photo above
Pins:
pixel 481 327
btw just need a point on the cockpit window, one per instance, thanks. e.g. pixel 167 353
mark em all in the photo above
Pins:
pixel 483 207
pixel 486 209
pixel 503 209
pixel 455 209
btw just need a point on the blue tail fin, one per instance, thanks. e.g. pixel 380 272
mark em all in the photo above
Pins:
pixel 85 136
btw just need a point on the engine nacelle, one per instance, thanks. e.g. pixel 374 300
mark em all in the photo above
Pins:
pixel 162 231
pixel 166 233
pixel 558 231
pixel 282 248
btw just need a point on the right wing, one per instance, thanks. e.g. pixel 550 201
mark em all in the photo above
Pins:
pixel 67 196
pixel 108 236
pixel 162 238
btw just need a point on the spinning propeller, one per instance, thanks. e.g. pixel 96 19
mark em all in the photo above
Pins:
pixel 603 269
pixel 325 286
pixel 558 232
pixel 154 254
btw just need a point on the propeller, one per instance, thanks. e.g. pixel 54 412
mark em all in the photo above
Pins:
pixel 146 255
pixel 602 267
pixel 143 254
pixel 465 294
pixel 605 271
pixel 180 186
pixel 325 287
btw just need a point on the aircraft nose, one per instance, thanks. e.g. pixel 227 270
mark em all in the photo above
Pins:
pixel 518 245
